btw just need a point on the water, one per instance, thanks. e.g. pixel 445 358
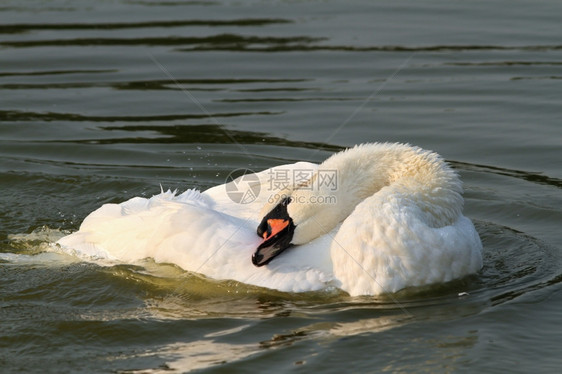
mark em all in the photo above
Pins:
pixel 104 101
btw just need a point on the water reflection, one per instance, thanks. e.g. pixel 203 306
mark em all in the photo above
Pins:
pixel 212 350
pixel 187 357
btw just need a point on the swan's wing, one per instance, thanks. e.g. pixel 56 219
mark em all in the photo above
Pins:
pixel 389 235
pixel 186 231
pixel 127 230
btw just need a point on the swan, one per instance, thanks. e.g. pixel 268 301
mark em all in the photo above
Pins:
pixel 372 219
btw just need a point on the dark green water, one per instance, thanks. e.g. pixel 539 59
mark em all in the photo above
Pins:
pixel 102 101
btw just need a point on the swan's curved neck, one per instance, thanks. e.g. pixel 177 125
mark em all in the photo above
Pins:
pixel 420 176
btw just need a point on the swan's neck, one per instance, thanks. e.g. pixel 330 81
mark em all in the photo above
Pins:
pixel 420 177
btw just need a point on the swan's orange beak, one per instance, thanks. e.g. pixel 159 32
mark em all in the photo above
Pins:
pixel 274 227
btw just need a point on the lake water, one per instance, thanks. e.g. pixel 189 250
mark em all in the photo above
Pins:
pixel 103 101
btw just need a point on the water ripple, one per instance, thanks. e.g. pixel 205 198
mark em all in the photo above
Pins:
pixel 242 43
pixel 218 42
pixel 56 72
pixel 25 27
pixel 13 115
pixel 159 84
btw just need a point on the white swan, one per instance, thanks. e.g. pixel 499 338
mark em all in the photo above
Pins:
pixel 373 219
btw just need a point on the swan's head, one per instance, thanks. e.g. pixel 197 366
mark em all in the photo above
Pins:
pixel 277 229
pixel 293 220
